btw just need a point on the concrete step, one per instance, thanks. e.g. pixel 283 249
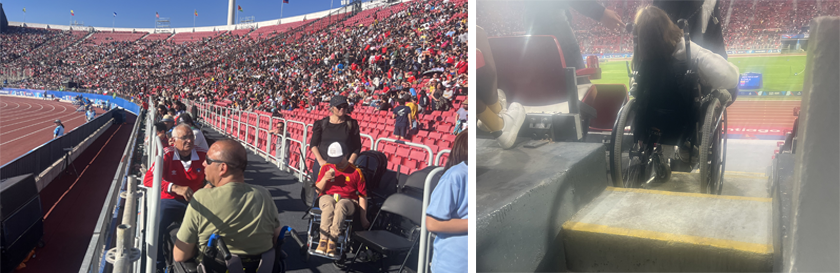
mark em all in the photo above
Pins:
pixel 650 230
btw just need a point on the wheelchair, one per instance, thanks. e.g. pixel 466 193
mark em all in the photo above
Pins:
pixel 313 235
pixel 669 108
pixel 218 259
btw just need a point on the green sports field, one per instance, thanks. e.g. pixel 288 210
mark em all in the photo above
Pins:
pixel 781 73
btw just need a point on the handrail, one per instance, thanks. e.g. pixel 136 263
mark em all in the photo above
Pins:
pixel 440 153
pixel 422 260
pixel 431 154
pixel 101 238
pixel 153 214
pixel 371 140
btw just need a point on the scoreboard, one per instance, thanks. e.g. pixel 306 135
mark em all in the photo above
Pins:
pixel 750 81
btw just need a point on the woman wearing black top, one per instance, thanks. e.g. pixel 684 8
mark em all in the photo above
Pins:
pixel 338 127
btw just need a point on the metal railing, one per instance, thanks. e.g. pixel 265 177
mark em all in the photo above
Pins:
pixel 439 154
pixel 94 260
pixel 232 122
pixel 423 251
pixel 427 148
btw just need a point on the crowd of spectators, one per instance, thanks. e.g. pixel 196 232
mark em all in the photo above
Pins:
pixel 369 63
pixel 749 24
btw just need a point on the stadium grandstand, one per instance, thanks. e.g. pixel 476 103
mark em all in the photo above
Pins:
pixel 747 24
pixel 240 82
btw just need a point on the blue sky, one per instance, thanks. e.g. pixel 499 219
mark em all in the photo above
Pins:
pixel 141 14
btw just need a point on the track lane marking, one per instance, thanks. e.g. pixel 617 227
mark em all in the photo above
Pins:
pixel 20 116
pixel 7 142
pixel 58 114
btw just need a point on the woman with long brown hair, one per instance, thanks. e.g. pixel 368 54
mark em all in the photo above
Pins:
pixel 658 35
pixel 447 214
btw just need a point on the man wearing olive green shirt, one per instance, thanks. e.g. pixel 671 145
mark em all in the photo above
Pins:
pixel 243 214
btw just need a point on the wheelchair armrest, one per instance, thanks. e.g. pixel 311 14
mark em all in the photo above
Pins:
pixel 587 111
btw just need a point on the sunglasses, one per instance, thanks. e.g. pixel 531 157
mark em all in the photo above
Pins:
pixel 211 161
pixel 343 106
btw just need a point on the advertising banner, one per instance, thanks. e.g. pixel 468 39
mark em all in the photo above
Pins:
pixel 97 99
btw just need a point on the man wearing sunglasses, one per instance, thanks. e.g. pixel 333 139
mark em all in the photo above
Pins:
pixel 183 174
pixel 243 214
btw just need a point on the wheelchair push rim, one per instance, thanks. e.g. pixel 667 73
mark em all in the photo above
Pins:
pixel 713 148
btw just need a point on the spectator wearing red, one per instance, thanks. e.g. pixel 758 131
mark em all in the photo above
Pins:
pixel 182 176
pixel 341 186
pixel 461 66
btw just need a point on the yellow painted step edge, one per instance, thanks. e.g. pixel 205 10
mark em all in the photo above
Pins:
pixel 762 249
pixel 757 199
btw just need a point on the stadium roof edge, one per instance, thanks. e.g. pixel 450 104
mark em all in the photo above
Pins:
pixel 310 16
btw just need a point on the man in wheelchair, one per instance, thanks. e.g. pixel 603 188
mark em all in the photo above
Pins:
pixel 341 187
pixel 243 214
pixel 679 92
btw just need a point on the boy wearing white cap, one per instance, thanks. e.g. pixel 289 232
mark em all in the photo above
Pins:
pixel 340 186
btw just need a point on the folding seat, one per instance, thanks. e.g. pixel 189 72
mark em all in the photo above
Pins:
pixel 445 129
pixel 389 150
pixel 449 137
pixel 445 144
pixel 435 136
pixel 402 155
pixel 418 159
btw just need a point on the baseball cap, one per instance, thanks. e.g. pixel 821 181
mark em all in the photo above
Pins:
pixel 338 100
pixel 335 152
pixel 185 118
pixel 167 118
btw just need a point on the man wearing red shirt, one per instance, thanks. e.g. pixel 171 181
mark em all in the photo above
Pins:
pixel 182 176
pixel 338 185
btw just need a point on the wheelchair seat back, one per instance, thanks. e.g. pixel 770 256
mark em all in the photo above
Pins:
pixel 530 69
pixel 666 101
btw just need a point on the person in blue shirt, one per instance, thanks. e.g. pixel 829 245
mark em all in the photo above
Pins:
pixel 447 214
pixel 401 123
pixel 90 114
pixel 59 129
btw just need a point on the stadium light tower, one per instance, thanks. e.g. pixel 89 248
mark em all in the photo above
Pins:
pixel 231 11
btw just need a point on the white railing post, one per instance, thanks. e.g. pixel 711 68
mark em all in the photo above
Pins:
pixel 154 215
pixel 422 260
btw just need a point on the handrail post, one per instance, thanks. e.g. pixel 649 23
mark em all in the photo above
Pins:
pixel 121 262
pixel 130 204
pixel 422 260
pixel 153 213
pixel 302 161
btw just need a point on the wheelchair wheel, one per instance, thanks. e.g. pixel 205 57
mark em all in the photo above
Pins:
pixel 629 173
pixel 712 149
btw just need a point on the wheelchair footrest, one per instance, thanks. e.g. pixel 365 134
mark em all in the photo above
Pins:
pixel 316 254
pixel 679 166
